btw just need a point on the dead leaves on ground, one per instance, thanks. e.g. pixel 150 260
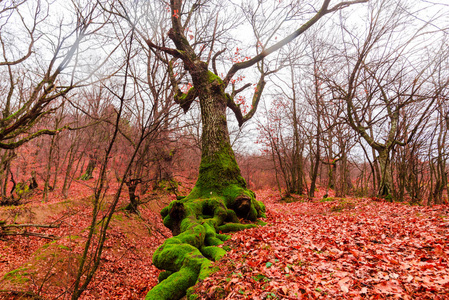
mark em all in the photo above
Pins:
pixel 48 268
pixel 340 249
pixel 364 249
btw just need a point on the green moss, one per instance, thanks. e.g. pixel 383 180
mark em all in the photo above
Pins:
pixel 213 77
pixel 21 189
pixel 260 207
pixel 170 255
pixel 232 217
pixel 215 208
pixel 211 236
pixel 168 222
pixel 210 230
pixel 206 269
pixel 117 217
pixel 17 276
pixel 164 275
pixel 86 176
pixel 343 204
pixel 64 247
pixel 194 297
pixel 212 252
pixel 45 246
pixel 223 237
pixel 213 241
pixel 175 285
pixel 168 185
pixel 194 236
pixel 261 223
pixel 164 211
pixel 195 220
pixel 229 227
pixel 328 199
pixel 217 173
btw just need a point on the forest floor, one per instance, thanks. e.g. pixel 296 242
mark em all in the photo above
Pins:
pixel 337 249
pixel 33 266
pixel 340 249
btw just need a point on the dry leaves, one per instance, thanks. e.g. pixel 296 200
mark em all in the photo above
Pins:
pixel 48 268
pixel 368 249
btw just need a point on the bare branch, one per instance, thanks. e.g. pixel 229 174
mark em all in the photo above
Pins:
pixel 323 11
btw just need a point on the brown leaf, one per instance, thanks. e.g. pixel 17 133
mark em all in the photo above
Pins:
pixel 344 284
pixel 389 287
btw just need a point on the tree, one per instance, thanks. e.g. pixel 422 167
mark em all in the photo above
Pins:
pixel 220 196
pixel 43 59
pixel 43 68
pixel 281 137
pixel 293 172
pixel 377 83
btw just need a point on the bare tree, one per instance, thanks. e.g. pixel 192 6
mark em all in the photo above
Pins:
pixel 220 183
pixel 379 83
pixel 42 69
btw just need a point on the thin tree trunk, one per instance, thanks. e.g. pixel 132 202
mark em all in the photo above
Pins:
pixel 386 180
pixel 48 169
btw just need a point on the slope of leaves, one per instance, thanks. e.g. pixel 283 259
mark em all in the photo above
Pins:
pixel 47 268
pixel 341 249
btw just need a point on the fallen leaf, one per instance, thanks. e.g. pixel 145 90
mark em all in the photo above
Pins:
pixel 344 284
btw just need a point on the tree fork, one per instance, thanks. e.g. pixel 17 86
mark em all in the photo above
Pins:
pixel 215 204
pixel 220 195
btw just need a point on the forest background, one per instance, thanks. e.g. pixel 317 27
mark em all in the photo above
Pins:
pixel 357 106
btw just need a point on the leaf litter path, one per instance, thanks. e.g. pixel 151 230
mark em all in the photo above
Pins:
pixel 342 249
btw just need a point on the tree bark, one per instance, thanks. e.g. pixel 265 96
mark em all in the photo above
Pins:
pixel 220 196
pixel 89 170
pixel 216 203
pixel 386 180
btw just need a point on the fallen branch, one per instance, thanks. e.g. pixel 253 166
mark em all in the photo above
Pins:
pixel 29 225
pixel 28 233
pixel 5 229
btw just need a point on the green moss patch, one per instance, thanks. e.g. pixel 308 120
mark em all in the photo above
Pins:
pixel 197 219
pixel 20 275
pixel 217 203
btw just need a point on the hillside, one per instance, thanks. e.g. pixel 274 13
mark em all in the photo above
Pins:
pixel 340 248
pixel 32 266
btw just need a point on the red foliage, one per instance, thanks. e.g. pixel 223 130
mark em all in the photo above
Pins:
pixel 48 268
pixel 343 249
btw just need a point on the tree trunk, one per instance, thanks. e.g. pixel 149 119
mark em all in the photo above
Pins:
pixel 297 168
pixel 216 203
pixel 218 165
pixel 89 170
pixel 48 169
pixel 133 198
pixel 315 165
pixel 68 175
pixel 441 182
pixel 386 180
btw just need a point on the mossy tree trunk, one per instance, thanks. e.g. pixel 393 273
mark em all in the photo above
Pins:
pixel 220 197
pixel 216 203
pixel 89 170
